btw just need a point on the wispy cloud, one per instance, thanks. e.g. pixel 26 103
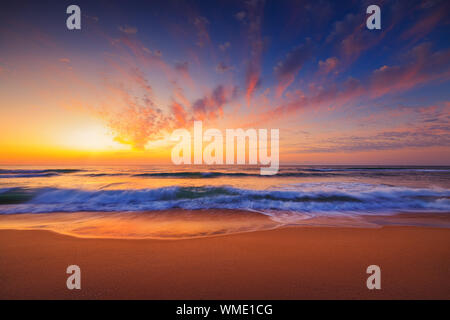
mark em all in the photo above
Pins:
pixel 222 67
pixel 420 66
pixel 224 46
pixel 201 24
pixel 211 105
pixel 253 18
pixel 287 69
pixel 329 65
pixel 128 29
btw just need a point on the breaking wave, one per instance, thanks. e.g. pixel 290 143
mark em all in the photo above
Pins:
pixel 327 198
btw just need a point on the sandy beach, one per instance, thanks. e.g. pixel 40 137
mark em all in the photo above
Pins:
pixel 287 263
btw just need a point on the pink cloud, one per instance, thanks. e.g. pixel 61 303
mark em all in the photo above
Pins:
pixel 128 29
pixel 211 105
pixel 421 66
pixel 253 21
pixel 201 24
pixel 328 65
pixel 424 25
pixel 287 69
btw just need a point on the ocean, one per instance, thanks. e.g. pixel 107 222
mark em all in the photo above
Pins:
pixel 297 189
pixel 296 193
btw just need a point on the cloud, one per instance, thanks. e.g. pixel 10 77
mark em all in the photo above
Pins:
pixel 224 46
pixel 254 13
pixel 130 112
pixel 328 65
pixel 137 125
pixel 416 127
pixel 420 66
pixel 141 55
pixel 240 15
pixel 252 79
pixel 182 66
pixel 183 69
pixel 201 24
pixel 388 140
pixel 211 105
pixel 424 25
pixel 342 27
pixel 350 37
pixel 287 69
pixel 139 78
pixel 64 60
pixel 178 95
pixel 222 68
pixel 423 137
pixel 179 114
pixel 128 30
pixel 93 18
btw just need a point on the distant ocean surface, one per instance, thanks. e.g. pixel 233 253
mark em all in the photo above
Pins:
pixel 295 191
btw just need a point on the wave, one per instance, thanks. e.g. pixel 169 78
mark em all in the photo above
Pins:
pixel 37 175
pixel 293 172
pixel 6 171
pixel 212 174
pixel 401 169
pixel 189 174
pixel 94 175
pixel 15 195
pixel 19 173
pixel 249 172
pixel 312 198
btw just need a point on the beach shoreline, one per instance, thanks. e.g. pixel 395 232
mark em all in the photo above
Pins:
pixel 296 262
pixel 181 224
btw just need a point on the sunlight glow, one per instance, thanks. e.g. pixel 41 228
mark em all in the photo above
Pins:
pixel 91 137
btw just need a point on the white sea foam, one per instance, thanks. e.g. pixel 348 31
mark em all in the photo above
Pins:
pixel 314 199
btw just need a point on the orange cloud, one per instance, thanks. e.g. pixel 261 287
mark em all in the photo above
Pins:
pixel 180 114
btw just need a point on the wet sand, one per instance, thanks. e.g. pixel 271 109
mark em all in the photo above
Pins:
pixel 287 263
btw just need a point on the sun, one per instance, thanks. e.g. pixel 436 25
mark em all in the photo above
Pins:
pixel 90 137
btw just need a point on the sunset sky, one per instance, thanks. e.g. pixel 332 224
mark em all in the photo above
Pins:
pixel 112 92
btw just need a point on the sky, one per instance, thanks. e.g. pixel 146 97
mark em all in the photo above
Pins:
pixel 114 91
